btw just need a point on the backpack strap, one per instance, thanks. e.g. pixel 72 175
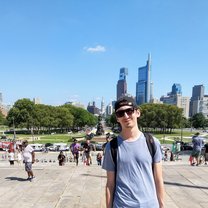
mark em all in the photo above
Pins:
pixel 114 150
pixel 150 144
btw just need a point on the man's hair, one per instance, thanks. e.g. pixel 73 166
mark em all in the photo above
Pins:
pixel 24 142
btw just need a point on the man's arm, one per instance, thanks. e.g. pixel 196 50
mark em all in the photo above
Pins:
pixel 110 187
pixel 33 157
pixel 159 183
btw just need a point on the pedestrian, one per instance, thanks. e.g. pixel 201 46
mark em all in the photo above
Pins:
pixel 88 147
pixel 28 159
pixel 99 158
pixel 108 138
pixel 198 143
pixel 75 147
pixel 11 157
pixel 61 158
pixel 19 157
pixel 136 178
pixel 206 153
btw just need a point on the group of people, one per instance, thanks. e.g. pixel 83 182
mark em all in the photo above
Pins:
pixel 85 151
pixel 25 153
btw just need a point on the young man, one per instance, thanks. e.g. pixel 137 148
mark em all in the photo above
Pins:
pixel 88 147
pixel 28 158
pixel 137 181
pixel 198 143
pixel 75 147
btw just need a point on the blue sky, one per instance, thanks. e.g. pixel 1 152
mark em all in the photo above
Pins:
pixel 73 49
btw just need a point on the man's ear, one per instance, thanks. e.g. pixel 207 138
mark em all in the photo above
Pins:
pixel 138 113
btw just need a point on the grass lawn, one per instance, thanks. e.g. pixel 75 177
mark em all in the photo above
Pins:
pixel 68 138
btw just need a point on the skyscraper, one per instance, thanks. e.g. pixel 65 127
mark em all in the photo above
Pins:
pixel 121 84
pixel 196 99
pixel 143 92
pixel 176 89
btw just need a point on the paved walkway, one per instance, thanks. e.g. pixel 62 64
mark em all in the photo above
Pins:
pixel 84 187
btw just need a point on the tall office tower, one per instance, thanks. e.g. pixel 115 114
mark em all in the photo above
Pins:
pixel 121 84
pixel 102 106
pixel 109 109
pixel 151 92
pixel 176 89
pixel 197 96
pixel 143 84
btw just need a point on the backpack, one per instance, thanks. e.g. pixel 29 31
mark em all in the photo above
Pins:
pixel 150 144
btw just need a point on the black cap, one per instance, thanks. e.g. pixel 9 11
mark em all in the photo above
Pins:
pixel 125 101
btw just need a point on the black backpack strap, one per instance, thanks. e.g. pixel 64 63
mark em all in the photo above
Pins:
pixel 114 150
pixel 150 144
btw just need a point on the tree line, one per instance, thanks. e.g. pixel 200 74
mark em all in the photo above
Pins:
pixel 39 117
pixel 161 118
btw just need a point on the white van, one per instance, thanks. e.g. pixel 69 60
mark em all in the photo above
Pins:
pixel 37 147
pixel 59 147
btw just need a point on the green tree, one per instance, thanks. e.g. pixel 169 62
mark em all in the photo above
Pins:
pixel 2 119
pixel 22 113
pixel 198 121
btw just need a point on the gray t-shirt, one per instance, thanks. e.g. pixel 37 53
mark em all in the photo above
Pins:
pixel 135 187
pixel 197 143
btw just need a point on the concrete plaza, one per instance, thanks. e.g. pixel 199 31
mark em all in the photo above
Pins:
pixel 84 186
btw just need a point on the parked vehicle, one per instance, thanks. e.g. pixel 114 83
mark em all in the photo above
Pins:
pixel 187 146
pixel 37 147
pixel 59 147
pixel 99 146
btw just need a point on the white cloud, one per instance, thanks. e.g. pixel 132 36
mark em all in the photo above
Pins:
pixel 96 49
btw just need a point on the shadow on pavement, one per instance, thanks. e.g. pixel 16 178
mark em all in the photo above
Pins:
pixel 16 179
pixel 185 185
pixel 85 174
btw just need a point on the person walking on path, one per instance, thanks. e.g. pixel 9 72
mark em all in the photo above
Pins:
pixel 206 153
pixel 11 157
pixel 19 157
pixel 99 158
pixel 136 180
pixel 198 143
pixel 75 147
pixel 28 159
pixel 108 138
pixel 88 147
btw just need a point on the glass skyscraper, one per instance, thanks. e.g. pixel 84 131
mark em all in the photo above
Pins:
pixel 143 93
pixel 121 84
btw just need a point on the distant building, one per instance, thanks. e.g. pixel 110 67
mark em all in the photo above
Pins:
pixel 36 100
pixel 77 104
pixel 176 89
pixel 121 84
pixel 93 109
pixel 199 101
pixel 109 109
pixel 175 98
pixel 143 86
pixel 102 107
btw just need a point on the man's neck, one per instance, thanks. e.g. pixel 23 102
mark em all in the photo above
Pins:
pixel 130 134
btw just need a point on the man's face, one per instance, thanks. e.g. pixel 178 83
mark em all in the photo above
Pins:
pixel 127 116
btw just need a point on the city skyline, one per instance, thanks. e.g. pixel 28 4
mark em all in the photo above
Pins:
pixel 73 50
